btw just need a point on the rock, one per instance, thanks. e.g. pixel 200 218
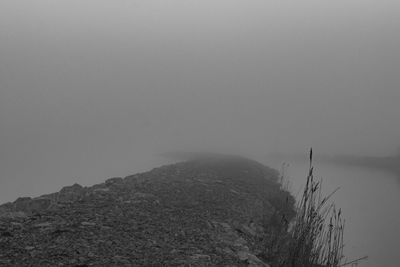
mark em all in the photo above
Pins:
pixel 226 226
pixel 43 225
pixel 234 191
pixel 6 207
pixel 71 193
pixel 243 255
pixel 200 257
pixel 228 251
pixel 148 219
pixel 143 195
pixel 101 190
pixel 240 242
pixel 22 204
pixel 131 179
pixel 88 224
pixel 254 261
pixel 121 260
pixel 14 215
pixel 17 224
pixel 251 259
pixel 39 204
pixel 175 251
pixel 6 234
pixel 26 205
pixel 114 181
pixel 248 230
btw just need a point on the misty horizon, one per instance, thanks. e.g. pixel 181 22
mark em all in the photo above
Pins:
pixel 97 89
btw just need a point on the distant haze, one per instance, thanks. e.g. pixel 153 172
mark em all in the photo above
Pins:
pixel 93 89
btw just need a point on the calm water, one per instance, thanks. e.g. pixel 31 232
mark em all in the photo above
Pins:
pixel 370 201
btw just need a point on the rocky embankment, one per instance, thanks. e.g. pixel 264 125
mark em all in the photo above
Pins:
pixel 195 213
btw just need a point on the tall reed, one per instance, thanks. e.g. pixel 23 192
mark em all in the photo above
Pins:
pixel 314 237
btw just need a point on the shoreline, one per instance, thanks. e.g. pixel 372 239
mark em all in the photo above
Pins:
pixel 389 163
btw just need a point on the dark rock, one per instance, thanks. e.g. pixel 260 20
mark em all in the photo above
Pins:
pixel 88 224
pixel 114 181
pixel 71 193
pixel 39 204
pixel 6 234
pixel 200 257
pixel 6 207
pixel 43 225
pixel 22 204
pixel 140 195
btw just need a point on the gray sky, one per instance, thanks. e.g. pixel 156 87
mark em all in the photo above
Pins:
pixel 92 89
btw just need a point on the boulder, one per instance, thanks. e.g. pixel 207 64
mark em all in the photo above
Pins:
pixel 22 203
pixel 71 193
pixel 114 181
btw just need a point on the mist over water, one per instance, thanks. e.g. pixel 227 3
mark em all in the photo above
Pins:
pixel 97 89
pixel 368 199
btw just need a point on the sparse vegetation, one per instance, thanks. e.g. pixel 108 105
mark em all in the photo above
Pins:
pixel 314 237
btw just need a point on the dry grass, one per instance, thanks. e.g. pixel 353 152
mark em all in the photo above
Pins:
pixel 314 237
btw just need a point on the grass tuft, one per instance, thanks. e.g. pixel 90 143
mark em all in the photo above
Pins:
pixel 314 237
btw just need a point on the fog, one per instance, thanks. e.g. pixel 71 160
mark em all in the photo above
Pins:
pixel 94 89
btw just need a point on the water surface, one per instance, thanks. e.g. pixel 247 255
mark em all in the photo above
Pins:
pixel 370 203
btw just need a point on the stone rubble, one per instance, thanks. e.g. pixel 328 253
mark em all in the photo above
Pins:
pixel 186 214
